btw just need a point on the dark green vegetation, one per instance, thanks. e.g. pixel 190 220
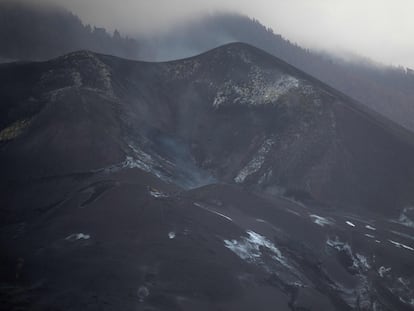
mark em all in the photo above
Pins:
pixel 39 33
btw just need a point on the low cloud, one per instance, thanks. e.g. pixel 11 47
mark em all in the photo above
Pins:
pixel 379 29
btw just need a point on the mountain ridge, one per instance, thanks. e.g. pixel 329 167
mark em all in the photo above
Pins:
pixel 359 107
pixel 217 182
pixel 237 81
pixel 387 90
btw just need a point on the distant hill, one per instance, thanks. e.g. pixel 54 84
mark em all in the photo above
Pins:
pixel 388 90
pixel 32 33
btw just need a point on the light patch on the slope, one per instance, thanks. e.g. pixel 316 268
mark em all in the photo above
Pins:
pixel 405 218
pixel 405 283
pixel 56 94
pixel 212 211
pixel 171 235
pixel 369 236
pixel 297 203
pixel 104 74
pixel 400 245
pixel 143 161
pixel 260 220
pixel 219 99
pixel 251 248
pixel 280 88
pixel 359 262
pixel 145 157
pixel 77 79
pixel 349 223
pixel 382 271
pixel 298 284
pixel 14 130
pixel 370 228
pixel 156 193
pixel 404 235
pixel 293 212
pixel 131 162
pixel 377 241
pixel 337 244
pixel 256 163
pixel 182 69
pixel 248 248
pixel 265 177
pixel 358 297
pixel 259 90
pixel 405 292
pixel 408 302
pixel 187 175
pixel 321 221
pixel 78 236
pixel 362 261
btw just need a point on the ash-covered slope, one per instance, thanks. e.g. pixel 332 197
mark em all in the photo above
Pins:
pixel 236 112
pixel 168 186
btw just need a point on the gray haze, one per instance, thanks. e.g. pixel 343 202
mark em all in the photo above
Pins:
pixel 382 30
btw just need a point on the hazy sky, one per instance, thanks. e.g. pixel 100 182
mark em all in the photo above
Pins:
pixel 380 29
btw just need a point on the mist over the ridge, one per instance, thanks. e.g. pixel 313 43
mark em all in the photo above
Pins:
pixel 378 29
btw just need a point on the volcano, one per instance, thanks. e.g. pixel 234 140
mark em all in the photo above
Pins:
pixel 226 181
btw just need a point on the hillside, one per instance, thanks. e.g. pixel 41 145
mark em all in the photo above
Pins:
pixel 230 180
